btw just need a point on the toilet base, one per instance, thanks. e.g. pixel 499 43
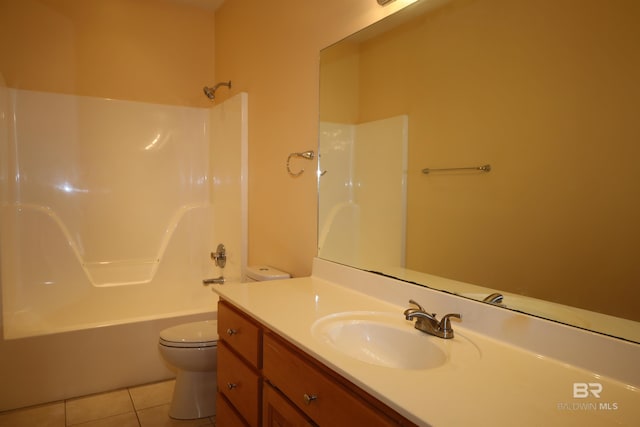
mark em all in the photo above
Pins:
pixel 194 395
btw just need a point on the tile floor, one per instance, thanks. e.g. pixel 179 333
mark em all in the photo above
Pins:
pixel 142 406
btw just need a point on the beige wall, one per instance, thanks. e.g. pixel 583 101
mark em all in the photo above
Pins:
pixel 158 51
pixel 271 50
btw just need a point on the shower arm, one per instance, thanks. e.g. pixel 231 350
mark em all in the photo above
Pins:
pixel 210 92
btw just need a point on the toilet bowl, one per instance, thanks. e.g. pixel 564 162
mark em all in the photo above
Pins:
pixel 191 348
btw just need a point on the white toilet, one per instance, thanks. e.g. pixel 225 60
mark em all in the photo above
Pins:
pixel 261 273
pixel 192 348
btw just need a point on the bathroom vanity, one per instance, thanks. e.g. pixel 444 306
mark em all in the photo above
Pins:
pixel 264 380
pixel 289 355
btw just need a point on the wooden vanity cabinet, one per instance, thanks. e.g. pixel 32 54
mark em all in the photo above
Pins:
pixel 278 385
pixel 239 364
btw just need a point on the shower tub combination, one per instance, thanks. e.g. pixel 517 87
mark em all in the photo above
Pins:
pixel 110 210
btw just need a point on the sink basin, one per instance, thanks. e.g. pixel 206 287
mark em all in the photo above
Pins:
pixel 387 339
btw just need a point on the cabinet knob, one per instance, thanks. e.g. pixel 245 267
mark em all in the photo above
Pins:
pixel 231 331
pixel 231 386
pixel 308 398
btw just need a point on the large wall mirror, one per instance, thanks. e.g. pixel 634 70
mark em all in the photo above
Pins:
pixel 483 146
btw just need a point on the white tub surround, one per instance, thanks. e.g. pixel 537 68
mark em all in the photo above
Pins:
pixel 112 204
pixel 71 329
pixel 525 374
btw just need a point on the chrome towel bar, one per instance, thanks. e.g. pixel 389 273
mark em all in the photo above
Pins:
pixel 483 168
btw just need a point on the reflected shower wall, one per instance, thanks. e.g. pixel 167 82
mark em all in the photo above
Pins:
pixel 105 203
pixel 351 186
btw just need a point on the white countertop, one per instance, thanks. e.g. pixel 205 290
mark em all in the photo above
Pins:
pixel 508 385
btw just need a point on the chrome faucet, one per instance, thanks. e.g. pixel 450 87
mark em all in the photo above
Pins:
pixel 428 323
pixel 494 298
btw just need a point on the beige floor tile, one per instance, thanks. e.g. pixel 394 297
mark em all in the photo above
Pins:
pixel 51 415
pixel 158 416
pixel 129 419
pixel 98 406
pixel 150 395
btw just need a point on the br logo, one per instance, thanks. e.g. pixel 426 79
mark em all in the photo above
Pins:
pixel 584 390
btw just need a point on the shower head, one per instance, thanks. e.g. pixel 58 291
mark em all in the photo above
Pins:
pixel 210 92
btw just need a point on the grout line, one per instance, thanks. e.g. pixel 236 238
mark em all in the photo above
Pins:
pixel 133 405
pixel 65 403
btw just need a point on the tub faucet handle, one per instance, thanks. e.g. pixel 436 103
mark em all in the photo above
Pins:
pixel 220 256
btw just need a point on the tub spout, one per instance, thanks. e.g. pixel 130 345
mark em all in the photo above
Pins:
pixel 215 281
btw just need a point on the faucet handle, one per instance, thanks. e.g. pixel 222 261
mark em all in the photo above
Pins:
pixel 409 313
pixel 416 304
pixel 445 324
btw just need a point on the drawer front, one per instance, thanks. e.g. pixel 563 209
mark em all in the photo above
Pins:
pixel 239 384
pixel 324 400
pixel 225 414
pixel 240 333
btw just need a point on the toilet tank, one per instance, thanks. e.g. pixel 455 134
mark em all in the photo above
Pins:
pixel 260 273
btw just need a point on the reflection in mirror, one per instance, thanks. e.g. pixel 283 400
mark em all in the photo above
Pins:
pixel 356 228
pixel 547 94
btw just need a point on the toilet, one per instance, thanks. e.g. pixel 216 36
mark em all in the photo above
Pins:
pixel 192 349
pixel 261 273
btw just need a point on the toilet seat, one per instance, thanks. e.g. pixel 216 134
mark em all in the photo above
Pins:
pixel 191 335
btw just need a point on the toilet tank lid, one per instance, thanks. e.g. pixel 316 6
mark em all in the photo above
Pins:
pixel 264 272
pixel 193 332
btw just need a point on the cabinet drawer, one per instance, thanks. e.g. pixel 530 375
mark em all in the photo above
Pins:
pixel 326 401
pixel 239 384
pixel 240 333
pixel 225 414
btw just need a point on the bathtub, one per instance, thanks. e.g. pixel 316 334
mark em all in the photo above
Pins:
pixel 63 365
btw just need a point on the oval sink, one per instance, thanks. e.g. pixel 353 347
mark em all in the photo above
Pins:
pixel 387 339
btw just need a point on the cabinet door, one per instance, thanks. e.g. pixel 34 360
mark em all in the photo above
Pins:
pixel 239 384
pixel 240 333
pixel 278 412
pixel 225 414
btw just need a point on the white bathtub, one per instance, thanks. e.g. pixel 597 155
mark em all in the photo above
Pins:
pixel 59 366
